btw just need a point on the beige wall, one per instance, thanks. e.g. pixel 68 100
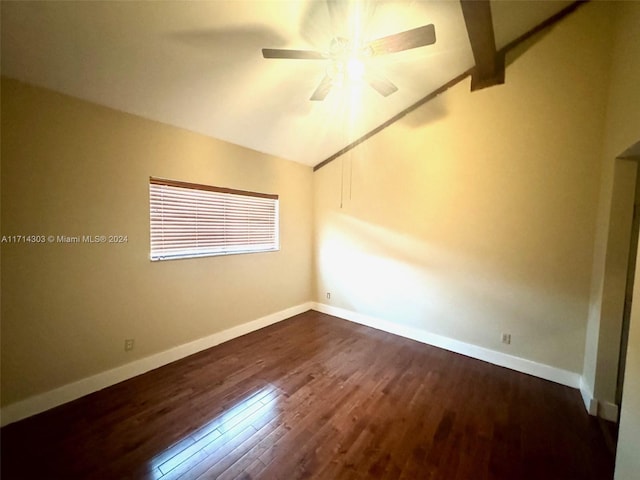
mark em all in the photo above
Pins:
pixel 605 322
pixel 74 168
pixel 623 130
pixel 627 460
pixel 612 241
pixel 476 214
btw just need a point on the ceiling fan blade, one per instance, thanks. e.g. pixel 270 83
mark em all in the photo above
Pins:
pixel 323 89
pixel 381 85
pixel 417 37
pixel 294 54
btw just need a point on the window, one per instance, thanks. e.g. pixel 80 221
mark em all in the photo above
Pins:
pixel 189 220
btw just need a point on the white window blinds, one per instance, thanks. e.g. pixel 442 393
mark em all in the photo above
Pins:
pixel 190 220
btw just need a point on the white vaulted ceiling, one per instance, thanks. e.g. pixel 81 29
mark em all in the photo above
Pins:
pixel 198 65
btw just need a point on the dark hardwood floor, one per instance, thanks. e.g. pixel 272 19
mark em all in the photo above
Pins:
pixel 316 397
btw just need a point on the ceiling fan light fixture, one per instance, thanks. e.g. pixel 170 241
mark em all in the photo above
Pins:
pixel 335 71
pixel 347 59
pixel 338 47
pixel 354 69
pixel 346 72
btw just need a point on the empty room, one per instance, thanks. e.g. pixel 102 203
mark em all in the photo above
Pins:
pixel 329 239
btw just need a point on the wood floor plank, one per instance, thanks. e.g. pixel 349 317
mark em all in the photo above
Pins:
pixel 315 397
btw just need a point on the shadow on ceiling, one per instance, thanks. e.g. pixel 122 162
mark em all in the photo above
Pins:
pixel 234 47
pixel 218 41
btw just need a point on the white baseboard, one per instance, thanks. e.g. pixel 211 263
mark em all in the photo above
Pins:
pixel 590 403
pixel 608 411
pixel 66 393
pixel 519 364
pixel 603 409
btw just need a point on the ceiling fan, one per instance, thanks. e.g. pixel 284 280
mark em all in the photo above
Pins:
pixel 347 58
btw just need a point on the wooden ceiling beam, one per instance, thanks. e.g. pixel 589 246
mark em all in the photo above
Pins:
pixel 489 63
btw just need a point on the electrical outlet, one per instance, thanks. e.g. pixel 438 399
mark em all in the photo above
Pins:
pixel 128 344
pixel 328 295
pixel 506 338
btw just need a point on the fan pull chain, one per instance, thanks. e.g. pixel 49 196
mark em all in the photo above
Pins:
pixel 350 176
pixel 341 181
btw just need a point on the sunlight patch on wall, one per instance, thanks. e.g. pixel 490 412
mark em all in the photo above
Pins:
pixel 401 278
